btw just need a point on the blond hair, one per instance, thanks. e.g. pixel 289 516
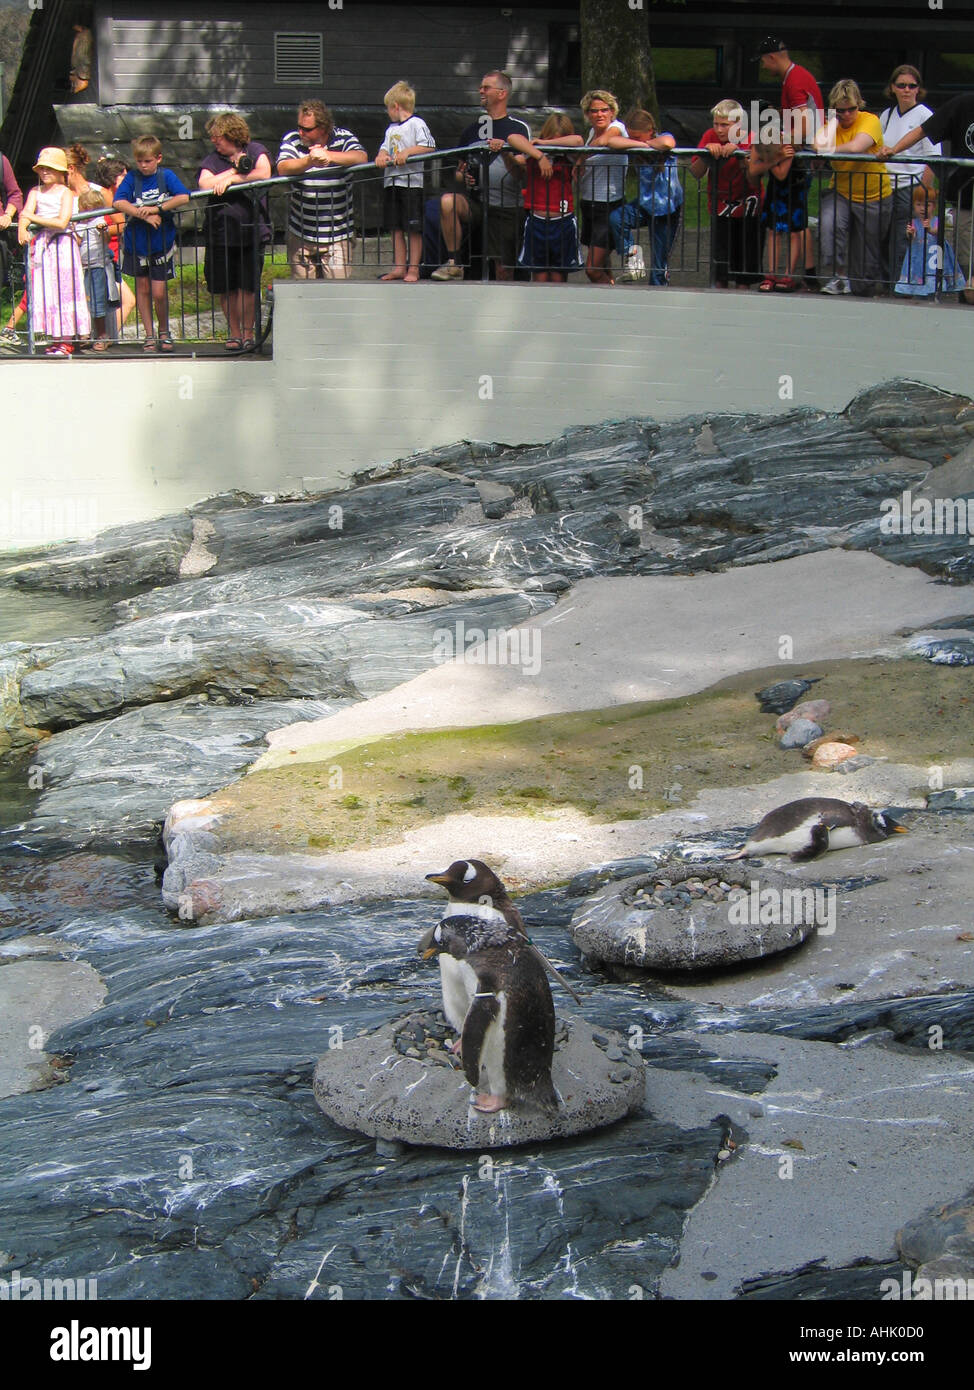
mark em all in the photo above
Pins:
pixel 90 199
pixel 728 110
pixel 598 94
pixel 401 94
pixel 846 90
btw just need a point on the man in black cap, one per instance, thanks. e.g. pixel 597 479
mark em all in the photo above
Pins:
pixel 801 99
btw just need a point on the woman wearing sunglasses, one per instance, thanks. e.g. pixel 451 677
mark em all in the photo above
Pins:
pixel 854 212
pixel 905 88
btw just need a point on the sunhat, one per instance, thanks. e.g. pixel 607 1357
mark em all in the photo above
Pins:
pixel 51 157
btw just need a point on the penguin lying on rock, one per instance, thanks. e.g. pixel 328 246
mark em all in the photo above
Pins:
pixel 495 992
pixel 808 827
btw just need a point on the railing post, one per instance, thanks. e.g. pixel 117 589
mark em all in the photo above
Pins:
pixel 483 160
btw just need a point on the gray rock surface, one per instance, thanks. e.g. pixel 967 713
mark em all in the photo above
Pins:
pixel 113 780
pixel 952 799
pixel 622 924
pixel 939 1243
pixel 629 497
pixel 945 651
pixel 370 1086
pixel 799 732
pixel 281 649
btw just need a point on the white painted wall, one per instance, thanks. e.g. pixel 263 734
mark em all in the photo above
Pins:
pixel 367 373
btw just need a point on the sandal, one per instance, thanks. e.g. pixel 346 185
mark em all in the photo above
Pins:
pixel 233 345
pixel 165 343
pixel 770 282
pixel 249 345
pixel 149 345
pixel 102 344
pixel 788 284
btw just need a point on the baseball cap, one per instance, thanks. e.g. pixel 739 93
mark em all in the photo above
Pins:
pixel 770 45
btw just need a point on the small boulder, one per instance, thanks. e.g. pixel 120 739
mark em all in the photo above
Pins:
pixel 672 919
pixel 940 1241
pixel 799 733
pixel 816 710
pixel 828 756
pixel 372 1086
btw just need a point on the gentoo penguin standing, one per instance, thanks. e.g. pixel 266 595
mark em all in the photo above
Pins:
pixel 508 1025
pixel 476 891
pixel 808 827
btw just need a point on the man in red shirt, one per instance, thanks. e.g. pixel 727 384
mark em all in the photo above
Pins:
pixel 801 99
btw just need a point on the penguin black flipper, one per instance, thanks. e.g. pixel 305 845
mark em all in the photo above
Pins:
pixel 480 1016
pixel 818 844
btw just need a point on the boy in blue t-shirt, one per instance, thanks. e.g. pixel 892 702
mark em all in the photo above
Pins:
pixel 147 199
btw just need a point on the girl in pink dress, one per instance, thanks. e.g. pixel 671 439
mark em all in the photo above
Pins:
pixel 59 305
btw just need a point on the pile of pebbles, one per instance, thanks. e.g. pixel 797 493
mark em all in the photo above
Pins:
pixel 427 1037
pixel 678 894
pixel 679 917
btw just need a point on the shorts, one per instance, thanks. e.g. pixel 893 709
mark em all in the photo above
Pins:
pixel 402 208
pixel 157 265
pixel 230 268
pixel 963 238
pixel 786 205
pixel 503 225
pixel 308 261
pixel 549 243
pixel 99 289
pixel 595 222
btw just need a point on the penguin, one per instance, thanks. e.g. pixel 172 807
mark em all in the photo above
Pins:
pixel 508 1025
pixel 475 890
pixel 808 827
pixel 784 695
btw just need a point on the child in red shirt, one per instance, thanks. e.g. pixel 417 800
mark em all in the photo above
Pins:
pixel 549 244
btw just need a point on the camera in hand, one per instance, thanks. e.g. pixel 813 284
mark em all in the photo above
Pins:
pixel 245 163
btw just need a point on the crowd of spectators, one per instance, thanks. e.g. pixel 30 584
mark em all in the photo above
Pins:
pixel 544 202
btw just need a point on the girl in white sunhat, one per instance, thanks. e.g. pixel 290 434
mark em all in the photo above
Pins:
pixel 59 304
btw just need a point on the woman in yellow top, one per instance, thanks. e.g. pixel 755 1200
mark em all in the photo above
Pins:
pixel 855 211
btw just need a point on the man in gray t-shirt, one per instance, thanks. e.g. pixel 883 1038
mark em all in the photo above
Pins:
pixel 502 194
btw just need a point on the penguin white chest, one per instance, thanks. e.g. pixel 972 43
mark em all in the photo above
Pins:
pixel 458 981
pixel 492 1056
pixel 789 841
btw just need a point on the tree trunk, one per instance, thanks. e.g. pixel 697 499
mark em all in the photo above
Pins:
pixel 616 52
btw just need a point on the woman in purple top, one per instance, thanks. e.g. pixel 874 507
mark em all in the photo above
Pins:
pixel 236 225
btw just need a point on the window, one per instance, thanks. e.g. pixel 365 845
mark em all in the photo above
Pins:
pixel 949 70
pixel 564 64
pixel 697 65
pixel 298 60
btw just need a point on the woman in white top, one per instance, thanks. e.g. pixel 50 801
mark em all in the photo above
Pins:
pixel 602 179
pixel 906 88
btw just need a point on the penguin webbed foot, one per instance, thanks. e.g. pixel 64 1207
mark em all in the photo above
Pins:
pixel 455 1046
pixel 488 1105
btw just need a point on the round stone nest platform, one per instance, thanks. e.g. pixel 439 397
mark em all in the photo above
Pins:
pixel 695 915
pixel 400 1082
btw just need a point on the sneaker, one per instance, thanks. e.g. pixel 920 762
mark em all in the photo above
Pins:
pixel 840 285
pixel 633 265
pixel 10 338
pixel 58 350
pixel 449 271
